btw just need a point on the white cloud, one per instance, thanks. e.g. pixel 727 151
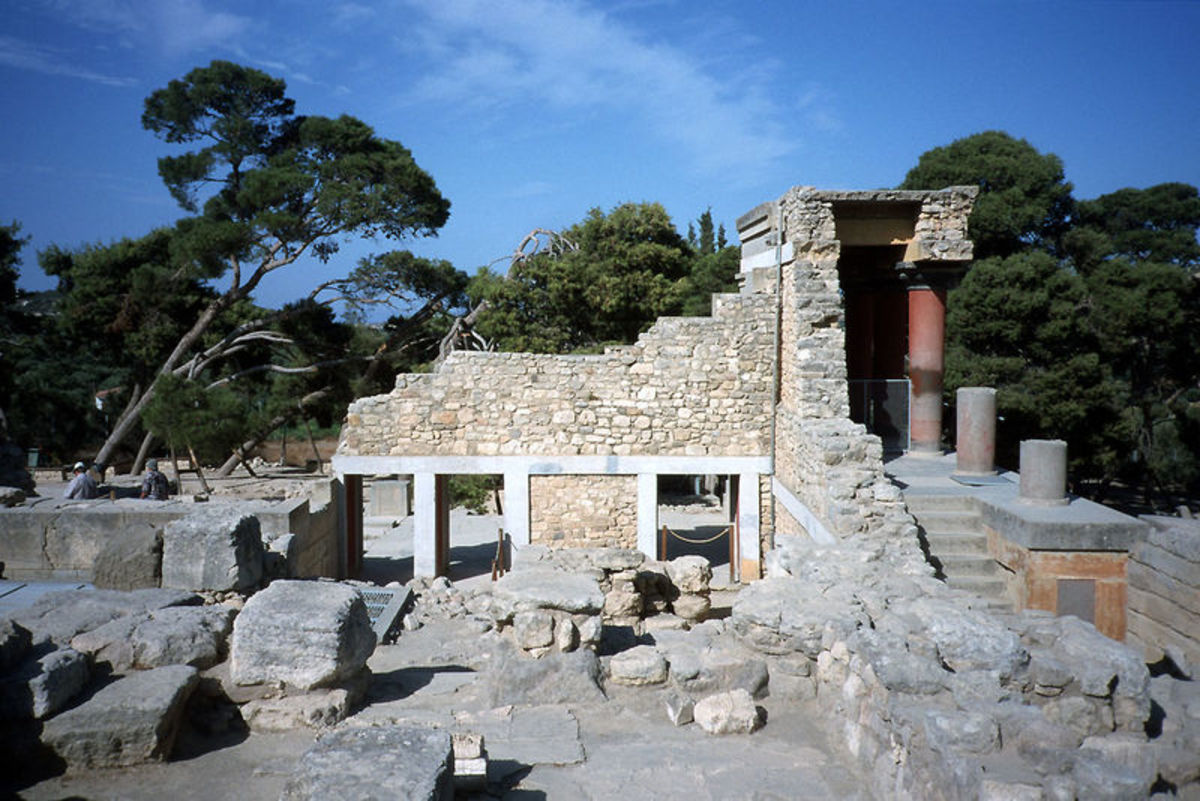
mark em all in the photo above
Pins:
pixel 27 56
pixel 178 26
pixel 487 55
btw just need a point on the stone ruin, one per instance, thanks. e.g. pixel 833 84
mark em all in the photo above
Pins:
pixel 932 691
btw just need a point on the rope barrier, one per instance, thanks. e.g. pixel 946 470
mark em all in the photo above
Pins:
pixel 713 538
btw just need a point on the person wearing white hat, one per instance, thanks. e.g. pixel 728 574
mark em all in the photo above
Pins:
pixel 82 486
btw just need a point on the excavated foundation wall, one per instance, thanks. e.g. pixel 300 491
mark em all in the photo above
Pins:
pixel 583 511
pixel 1163 613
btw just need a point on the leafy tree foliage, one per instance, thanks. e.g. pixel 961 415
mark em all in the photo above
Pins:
pixel 267 186
pixel 1024 200
pixel 630 267
pixel 1085 317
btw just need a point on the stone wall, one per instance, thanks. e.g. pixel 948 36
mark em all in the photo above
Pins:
pixel 689 387
pixel 583 511
pixel 55 540
pixel 1163 616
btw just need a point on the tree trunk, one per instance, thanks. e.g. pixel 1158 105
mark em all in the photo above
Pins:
pixel 143 452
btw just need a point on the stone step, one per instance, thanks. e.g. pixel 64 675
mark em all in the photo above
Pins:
pixel 966 542
pixel 949 522
pixel 967 565
pixel 938 502
pixel 985 587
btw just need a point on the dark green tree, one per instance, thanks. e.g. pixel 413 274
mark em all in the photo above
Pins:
pixel 267 187
pixel 10 327
pixel 624 270
pixel 1024 200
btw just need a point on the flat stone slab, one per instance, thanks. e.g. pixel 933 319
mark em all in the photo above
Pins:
pixel 59 616
pixel 538 588
pixel 364 764
pixel 218 548
pixel 133 720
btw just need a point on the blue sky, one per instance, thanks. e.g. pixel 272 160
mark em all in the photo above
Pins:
pixel 529 113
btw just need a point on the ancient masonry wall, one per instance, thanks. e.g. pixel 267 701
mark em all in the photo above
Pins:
pixel 1163 615
pixel 828 463
pixel 689 387
pixel 583 511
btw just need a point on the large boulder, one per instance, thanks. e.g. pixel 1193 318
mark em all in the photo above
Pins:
pixel 213 548
pixel 133 720
pixel 733 712
pixel 181 635
pixel 130 560
pixel 640 665
pixel 690 574
pixel 362 764
pixel 556 678
pixel 305 634
pixel 44 683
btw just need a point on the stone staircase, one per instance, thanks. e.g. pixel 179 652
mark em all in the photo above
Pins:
pixel 952 534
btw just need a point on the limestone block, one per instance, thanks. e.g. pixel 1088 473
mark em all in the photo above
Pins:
pixel 733 712
pixel 638 666
pixel 619 604
pixel 316 709
pixel 44 683
pixel 1131 751
pixel 183 635
pixel 969 640
pixel 566 635
pixel 305 634
pixel 213 548
pixel 130 559
pixel 540 588
pixel 690 574
pixel 680 708
pixel 133 720
pixel 357 764
pixel 967 732
pixel 556 678
pixel 59 616
pixel 533 629
pixel 691 606
pixel 1097 776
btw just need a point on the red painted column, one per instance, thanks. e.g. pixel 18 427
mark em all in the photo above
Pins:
pixel 926 364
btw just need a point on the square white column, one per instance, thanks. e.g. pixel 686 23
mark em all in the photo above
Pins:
pixel 425 514
pixel 749 520
pixel 647 514
pixel 516 508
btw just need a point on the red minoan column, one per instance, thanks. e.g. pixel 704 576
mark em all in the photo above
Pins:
pixel 926 363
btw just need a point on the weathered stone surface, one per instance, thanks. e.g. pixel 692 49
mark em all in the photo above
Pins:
pixel 969 732
pixel 15 642
pixel 363 764
pixel 733 712
pixel 680 708
pixel 781 615
pixel 44 683
pixel 526 590
pixel 534 629
pixel 213 548
pixel 305 634
pixel 638 666
pixel 620 603
pixel 690 574
pixel 554 679
pixel 1099 777
pixel 133 720
pixel 316 709
pixel 59 616
pixel 130 560
pixel 692 607
pixel 566 635
pixel 193 636
pixel 967 639
pixel 896 667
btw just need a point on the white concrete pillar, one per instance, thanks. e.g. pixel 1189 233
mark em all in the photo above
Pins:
pixel 425 524
pixel 749 525
pixel 647 514
pixel 516 508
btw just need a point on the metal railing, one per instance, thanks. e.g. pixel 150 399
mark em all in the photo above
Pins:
pixel 883 406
